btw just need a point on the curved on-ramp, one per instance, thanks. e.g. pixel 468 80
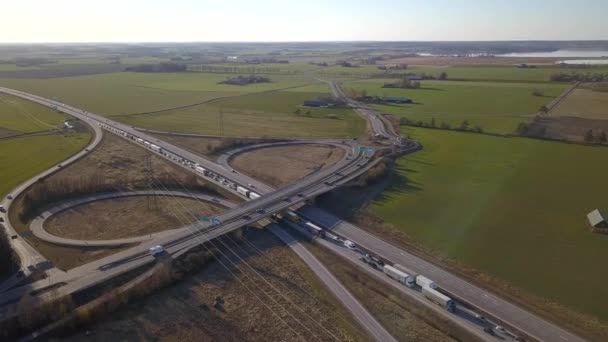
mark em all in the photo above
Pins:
pixel 37 225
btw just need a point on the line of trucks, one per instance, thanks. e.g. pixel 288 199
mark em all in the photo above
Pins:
pixel 396 272
pixel 194 166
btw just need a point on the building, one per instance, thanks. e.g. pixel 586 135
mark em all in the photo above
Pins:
pixel 597 222
pixel 393 99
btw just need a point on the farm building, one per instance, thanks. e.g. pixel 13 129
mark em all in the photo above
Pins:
pixel 316 103
pixel 597 222
pixel 393 99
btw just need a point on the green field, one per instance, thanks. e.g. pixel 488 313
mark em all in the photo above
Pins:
pixel 252 110
pixel 25 116
pixel 483 73
pixel 514 208
pixel 495 106
pixel 122 93
pixel 23 158
pixel 267 114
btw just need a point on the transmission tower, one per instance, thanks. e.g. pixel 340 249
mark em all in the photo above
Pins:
pixel 221 122
pixel 149 173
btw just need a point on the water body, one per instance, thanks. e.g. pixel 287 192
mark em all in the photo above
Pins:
pixel 584 61
pixel 561 54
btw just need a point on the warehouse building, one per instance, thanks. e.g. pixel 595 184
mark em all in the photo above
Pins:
pixel 597 222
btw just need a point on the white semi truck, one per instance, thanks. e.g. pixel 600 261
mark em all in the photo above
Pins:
pixel 398 275
pixel 439 298
pixel 423 282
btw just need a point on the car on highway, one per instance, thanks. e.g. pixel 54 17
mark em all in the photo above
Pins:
pixel 500 329
pixel 350 245
pixel 286 199
pixel 246 217
pixel 489 331
pixel 260 211
pixel 9 196
pixel 2 209
pixel 301 195
pixel 156 250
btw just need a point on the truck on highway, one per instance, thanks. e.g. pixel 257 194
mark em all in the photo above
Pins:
pixel 423 282
pixel 155 148
pixel 253 195
pixel 399 276
pixel 313 228
pixel 439 298
pixel 199 169
pixel 242 191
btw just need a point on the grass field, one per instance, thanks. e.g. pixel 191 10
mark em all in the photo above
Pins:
pixel 267 114
pixel 584 103
pixel 122 93
pixel 474 72
pixel 514 208
pixel 23 158
pixel 253 110
pixel 25 116
pixel 495 106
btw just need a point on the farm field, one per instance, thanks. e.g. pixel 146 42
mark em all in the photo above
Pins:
pixel 478 199
pixel 24 157
pixel 265 114
pixel 584 103
pixel 25 117
pixel 252 110
pixel 125 93
pixel 501 73
pixel 495 106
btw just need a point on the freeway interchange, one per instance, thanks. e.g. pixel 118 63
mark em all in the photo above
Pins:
pixel 357 161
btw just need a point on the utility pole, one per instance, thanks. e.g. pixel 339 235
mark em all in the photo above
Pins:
pixel 149 174
pixel 221 123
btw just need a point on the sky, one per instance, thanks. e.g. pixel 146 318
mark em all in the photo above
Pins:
pixel 292 20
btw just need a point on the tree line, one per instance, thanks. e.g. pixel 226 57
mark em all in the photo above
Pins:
pixel 464 126
pixel 160 67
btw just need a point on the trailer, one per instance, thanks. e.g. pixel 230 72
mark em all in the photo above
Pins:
pixel 439 298
pixel 405 270
pixel 423 282
pixel 155 148
pixel 200 170
pixel 139 140
pixel 241 190
pixel 314 228
pixel 147 144
pixel 253 195
pixel 399 276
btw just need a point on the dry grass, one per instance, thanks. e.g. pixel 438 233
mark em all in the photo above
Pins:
pixel 279 166
pixel 402 317
pixel 584 103
pixel 117 162
pixel 127 217
pixel 213 306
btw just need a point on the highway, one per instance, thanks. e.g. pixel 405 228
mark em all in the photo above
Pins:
pixel 277 201
pixel 369 322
